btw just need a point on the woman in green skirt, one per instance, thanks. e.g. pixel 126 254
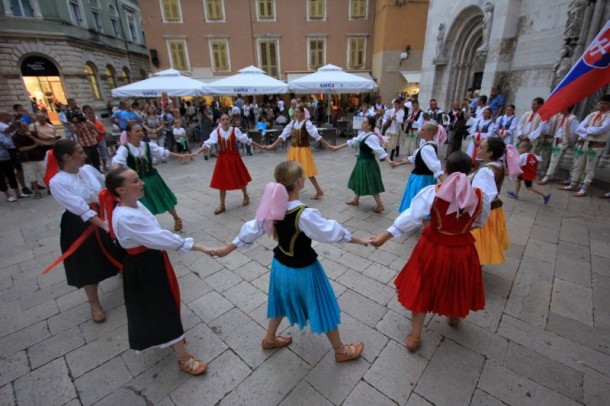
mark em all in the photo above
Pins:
pixel 138 155
pixel 365 179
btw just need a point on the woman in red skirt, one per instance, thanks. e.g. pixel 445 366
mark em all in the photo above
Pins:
pixel 443 275
pixel 230 173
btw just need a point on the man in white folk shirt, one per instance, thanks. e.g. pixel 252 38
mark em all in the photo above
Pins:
pixel 563 129
pixel 393 119
pixel 593 135
pixel 412 126
pixel 531 127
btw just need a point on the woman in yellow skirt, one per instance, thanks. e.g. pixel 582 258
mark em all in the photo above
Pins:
pixel 300 129
pixel 492 238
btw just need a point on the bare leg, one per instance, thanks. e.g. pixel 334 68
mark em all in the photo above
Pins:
pixel 272 328
pixel 20 177
pixel 517 187
pixel 335 339
pixel 244 190
pixel 174 214
pixel 181 352
pixel 316 185
pixel 354 201
pixel 379 208
pixel 417 323
pixel 97 312
pixel 187 362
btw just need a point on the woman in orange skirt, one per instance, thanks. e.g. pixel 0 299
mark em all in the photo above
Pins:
pixel 300 129
pixel 492 238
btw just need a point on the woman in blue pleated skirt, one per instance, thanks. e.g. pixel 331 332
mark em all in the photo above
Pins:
pixel 298 288
pixel 427 166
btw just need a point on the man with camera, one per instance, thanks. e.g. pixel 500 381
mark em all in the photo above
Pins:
pixel 86 133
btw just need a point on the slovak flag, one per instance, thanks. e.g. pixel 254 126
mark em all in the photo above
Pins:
pixel 589 74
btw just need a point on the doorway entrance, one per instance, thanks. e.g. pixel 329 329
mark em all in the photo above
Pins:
pixel 44 85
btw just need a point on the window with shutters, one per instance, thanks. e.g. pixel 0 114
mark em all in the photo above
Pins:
pixel 268 57
pixel 219 52
pixel 171 11
pixel 178 54
pixel 316 9
pixel 265 10
pixel 357 9
pixel 356 52
pixel 317 53
pixel 214 10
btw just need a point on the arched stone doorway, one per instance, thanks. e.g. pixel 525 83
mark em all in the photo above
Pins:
pixel 461 67
pixel 43 82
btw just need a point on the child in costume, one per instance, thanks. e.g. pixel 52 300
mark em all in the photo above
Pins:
pixel 152 295
pixel 529 166
pixel 443 275
pixel 139 155
pixel 298 288
pixel 427 166
pixel 365 179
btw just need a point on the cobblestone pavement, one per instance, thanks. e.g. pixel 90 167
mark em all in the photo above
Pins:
pixel 543 339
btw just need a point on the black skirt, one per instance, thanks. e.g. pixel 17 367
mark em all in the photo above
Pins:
pixel 153 317
pixel 87 265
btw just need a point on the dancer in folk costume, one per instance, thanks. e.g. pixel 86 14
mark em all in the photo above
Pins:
pixel 300 129
pixel 427 166
pixel 298 288
pixel 89 256
pixel 491 240
pixel 443 274
pixel 230 173
pixel 413 124
pixel 593 135
pixel 529 166
pixel 563 127
pixel 506 125
pixel 392 122
pixel 480 129
pixel 531 127
pixel 365 179
pixel 139 155
pixel 150 287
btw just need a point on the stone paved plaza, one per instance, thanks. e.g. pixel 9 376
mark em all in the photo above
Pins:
pixel 543 339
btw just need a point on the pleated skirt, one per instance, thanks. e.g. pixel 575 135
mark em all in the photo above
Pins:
pixel 365 179
pixel 414 185
pixel 230 173
pixel 158 198
pixel 303 295
pixel 303 156
pixel 152 315
pixel 442 279
pixel 491 240
pixel 88 264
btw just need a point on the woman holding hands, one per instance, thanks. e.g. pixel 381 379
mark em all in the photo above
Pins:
pixel 365 179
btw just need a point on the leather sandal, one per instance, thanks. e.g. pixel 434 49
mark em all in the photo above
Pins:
pixel 351 202
pixel 98 316
pixel 378 209
pixel 246 200
pixel 317 196
pixel 192 366
pixel 178 224
pixel 453 321
pixel 277 342
pixel 413 342
pixel 580 193
pixel 219 209
pixel 349 352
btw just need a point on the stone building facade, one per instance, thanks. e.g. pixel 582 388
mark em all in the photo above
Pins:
pixel 524 46
pixel 54 50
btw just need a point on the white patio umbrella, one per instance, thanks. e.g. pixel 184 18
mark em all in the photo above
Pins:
pixel 250 80
pixel 169 81
pixel 331 79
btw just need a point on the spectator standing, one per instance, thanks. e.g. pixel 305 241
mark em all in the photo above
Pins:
pixel 32 151
pixel 496 101
pixel 102 148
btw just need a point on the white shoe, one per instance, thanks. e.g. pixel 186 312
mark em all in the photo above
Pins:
pixel 12 199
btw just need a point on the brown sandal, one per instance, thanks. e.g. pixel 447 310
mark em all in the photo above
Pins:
pixel 351 202
pixel 178 224
pixel 413 342
pixel 378 209
pixel 192 366
pixel 219 210
pixel 246 200
pixel 349 352
pixel 98 316
pixel 317 196
pixel 277 342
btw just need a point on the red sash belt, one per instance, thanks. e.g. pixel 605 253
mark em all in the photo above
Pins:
pixel 169 271
pixel 475 150
pixel 92 228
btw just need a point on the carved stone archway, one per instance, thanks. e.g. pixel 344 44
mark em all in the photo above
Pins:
pixel 455 74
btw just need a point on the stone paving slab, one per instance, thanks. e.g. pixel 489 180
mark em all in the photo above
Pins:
pixel 542 339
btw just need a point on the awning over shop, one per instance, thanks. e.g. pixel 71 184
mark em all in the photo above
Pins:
pixel 411 76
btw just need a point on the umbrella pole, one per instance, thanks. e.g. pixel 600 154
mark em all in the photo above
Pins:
pixel 328 108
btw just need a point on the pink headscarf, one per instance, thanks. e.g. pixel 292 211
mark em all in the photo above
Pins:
pixel 458 191
pixel 511 159
pixel 440 137
pixel 306 113
pixel 124 139
pixel 272 206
